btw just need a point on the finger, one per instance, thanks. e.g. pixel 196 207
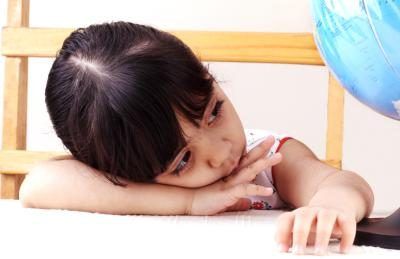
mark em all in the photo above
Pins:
pixel 241 205
pixel 256 153
pixel 325 224
pixel 283 236
pixel 250 172
pixel 248 189
pixel 301 228
pixel 348 226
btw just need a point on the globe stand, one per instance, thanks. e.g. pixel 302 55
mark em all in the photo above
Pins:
pixel 381 232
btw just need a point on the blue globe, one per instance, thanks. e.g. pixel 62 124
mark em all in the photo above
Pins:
pixel 359 41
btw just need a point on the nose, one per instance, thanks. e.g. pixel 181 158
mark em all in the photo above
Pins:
pixel 218 151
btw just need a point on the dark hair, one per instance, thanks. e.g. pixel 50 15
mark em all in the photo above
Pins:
pixel 113 92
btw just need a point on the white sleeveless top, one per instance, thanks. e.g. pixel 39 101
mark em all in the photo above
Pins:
pixel 253 138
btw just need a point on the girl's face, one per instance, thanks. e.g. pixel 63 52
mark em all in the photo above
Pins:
pixel 213 150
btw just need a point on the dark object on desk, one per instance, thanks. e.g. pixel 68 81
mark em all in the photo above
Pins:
pixel 381 232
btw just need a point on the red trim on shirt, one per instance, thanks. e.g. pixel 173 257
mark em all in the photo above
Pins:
pixel 282 142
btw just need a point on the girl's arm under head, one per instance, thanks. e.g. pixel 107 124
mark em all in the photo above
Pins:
pixel 72 185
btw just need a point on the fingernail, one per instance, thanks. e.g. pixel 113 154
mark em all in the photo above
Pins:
pixel 298 249
pixel 318 250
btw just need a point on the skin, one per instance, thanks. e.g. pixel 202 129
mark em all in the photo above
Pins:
pixel 218 177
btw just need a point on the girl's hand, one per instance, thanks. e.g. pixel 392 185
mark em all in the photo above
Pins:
pixel 315 225
pixel 229 194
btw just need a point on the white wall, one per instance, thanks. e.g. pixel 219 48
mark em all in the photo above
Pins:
pixel 284 98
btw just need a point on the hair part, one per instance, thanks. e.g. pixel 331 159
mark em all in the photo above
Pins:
pixel 113 92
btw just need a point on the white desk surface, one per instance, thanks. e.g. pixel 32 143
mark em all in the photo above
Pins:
pixel 39 233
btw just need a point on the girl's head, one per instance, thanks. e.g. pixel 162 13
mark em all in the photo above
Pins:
pixel 136 103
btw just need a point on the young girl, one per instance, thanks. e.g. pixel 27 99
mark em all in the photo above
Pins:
pixel 134 105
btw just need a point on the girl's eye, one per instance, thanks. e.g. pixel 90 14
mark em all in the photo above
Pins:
pixel 182 164
pixel 216 112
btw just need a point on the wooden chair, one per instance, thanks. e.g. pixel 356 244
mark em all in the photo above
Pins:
pixel 20 42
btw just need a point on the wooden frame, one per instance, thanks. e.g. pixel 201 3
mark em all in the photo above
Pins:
pixel 20 42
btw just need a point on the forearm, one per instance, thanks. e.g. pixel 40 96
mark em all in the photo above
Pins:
pixel 72 185
pixel 345 191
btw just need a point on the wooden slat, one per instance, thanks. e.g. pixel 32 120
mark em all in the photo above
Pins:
pixel 33 42
pixel 290 48
pixel 10 185
pixel 15 98
pixel 18 13
pixel 15 85
pixel 334 143
pixel 15 103
pixel 21 162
